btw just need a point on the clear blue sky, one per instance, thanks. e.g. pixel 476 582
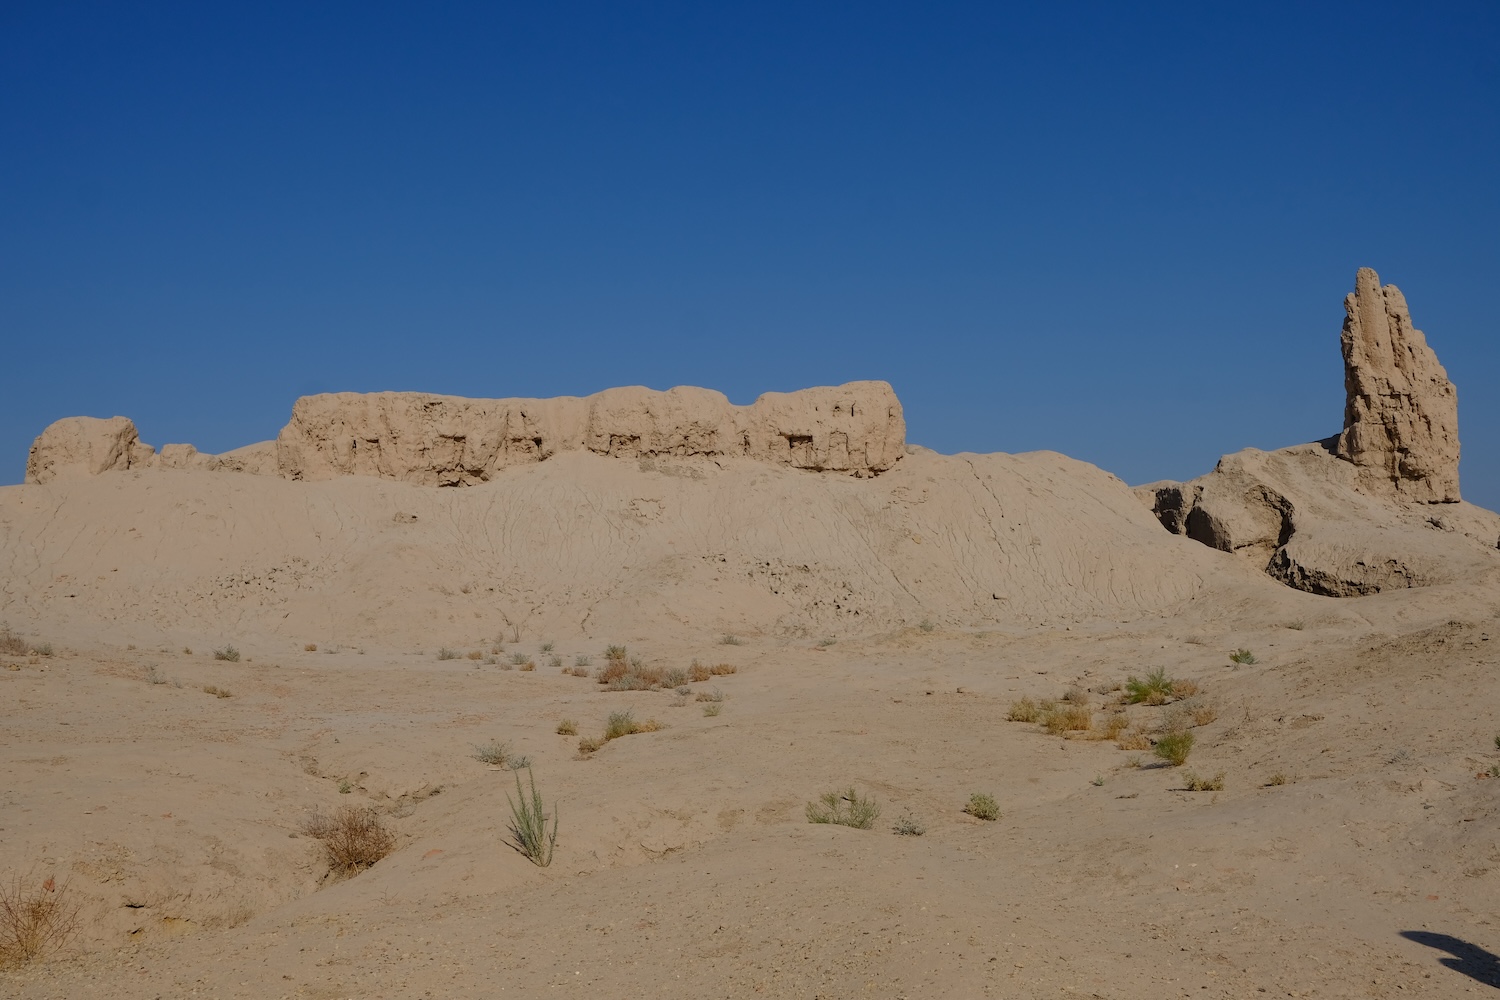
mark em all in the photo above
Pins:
pixel 1120 231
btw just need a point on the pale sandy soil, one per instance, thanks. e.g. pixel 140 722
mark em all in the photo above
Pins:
pixel 685 866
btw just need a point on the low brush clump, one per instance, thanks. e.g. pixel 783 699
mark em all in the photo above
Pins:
pixel 1024 710
pixel 567 727
pixel 844 809
pixel 354 838
pixel 494 752
pixel 1193 783
pixel 982 806
pixel 1064 719
pixel 1174 747
pixel 35 918
pixel 217 692
pixel 619 724
pixel 697 672
pixel 1154 689
pixel 228 653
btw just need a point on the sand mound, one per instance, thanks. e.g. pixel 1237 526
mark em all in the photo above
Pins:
pixel 595 545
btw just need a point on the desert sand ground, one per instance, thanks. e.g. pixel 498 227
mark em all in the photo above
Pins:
pixel 685 866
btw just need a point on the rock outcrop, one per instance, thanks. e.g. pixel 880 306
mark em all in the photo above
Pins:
pixel 74 447
pixel 451 441
pixel 1351 515
pixel 1400 412
pixel 857 429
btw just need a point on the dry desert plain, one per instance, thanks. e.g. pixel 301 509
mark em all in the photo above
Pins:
pixel 204 653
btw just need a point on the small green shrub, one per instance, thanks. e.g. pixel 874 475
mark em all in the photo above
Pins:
pixel 228 653
pixel 519 762
pixel 730 640
pixel 982 806
pixel 567 727
pixel 712 710
pixel 493 752
pixel 619 724
pixel 844 809
pixel 216 691
pixel 826 642
pixel 674 677
pixel 1174 747
pixel 528 824
pixel 517 659
pixel 1154 689
pixel 1242 657
pixel 926 625
pixel 447 654
pixel 582 660
pixel 345 786
pixel 908 826
pixel 45 649
pixel 547 647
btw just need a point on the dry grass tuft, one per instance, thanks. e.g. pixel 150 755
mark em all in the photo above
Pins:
pixel 1075 695
pixel 1202 712
pixel 228 654
pixel 35 918
pixel 1193 783
pixel 1024 710
pixel 698 672
pixel 1184 689
pixel 567 727
pixel 720 669
pixel 217 692
pixel 1112 726
pixel 589 744
pixel 311 647
pixel 529 665
pixel 12 644
pixel 1068 719
pixel 476 654
pixel 1277 779
pixel 1137 739
pixel 354 837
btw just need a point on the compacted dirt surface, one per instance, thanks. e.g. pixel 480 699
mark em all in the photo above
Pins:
pixel 685 865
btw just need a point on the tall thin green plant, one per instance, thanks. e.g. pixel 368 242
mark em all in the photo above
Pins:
pixel 528 826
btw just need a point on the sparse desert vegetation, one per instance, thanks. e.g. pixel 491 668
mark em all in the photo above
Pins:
pixel 1174 747
pixel 982 805
pixel 354 838
pixel 845 808
pixel 227 653
pixel 38 917
pixel 529 823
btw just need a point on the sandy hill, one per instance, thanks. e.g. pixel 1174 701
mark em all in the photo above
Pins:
pixel 403 597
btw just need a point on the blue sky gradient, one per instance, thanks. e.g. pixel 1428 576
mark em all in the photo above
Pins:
pixel 1123 232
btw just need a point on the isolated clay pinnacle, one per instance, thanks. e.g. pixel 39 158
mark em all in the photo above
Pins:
pixel 1400 410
